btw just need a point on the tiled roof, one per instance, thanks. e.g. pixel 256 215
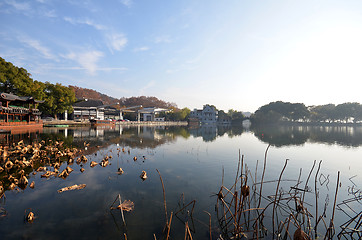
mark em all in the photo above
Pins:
pixel 88 103
pixel 13 97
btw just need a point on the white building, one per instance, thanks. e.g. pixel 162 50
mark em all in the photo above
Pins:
pixel 87 109
pixel 208 114
pixel 149 114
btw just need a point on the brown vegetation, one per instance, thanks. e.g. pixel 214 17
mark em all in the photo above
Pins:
pixel 145 101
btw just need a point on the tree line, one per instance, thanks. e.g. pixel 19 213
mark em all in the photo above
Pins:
pixel 18 81
pixel 278 112
pixel 59 98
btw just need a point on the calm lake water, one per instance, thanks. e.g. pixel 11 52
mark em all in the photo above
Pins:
pixel 191 162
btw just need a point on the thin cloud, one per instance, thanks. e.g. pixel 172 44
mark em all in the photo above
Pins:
pixel 96 69
pixel 116 41
pixel 163 39
pixel 37 46
pixel 148 85
pixel 87 5
pixel 19 6
pixel 106 69
pixel 141 49
pixel 127 3
pixel 50 14
pixel 171 71
pixel 88 60
pixel 85 22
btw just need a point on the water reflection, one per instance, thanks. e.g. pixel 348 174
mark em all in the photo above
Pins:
pixel 190 160
pixel 279 136
pixel 209 132
pixel 151 137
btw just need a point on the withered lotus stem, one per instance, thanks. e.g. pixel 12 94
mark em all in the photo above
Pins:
pixel 23 181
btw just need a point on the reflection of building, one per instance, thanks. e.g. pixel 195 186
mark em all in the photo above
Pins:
pixel 207 132
pixel 207 115
pixel 16 112
pixel 128 136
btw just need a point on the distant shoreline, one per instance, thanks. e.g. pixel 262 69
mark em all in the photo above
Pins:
pixel 72 123
pixel 316 124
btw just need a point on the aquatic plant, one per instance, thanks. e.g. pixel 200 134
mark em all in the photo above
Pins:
pixel 244 211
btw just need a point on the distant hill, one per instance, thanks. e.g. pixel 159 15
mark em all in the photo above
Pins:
pixel 92 94
pixel 146 102
pixel 127 102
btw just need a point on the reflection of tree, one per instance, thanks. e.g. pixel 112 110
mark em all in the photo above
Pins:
pixel 281 135
pixel 342 135
pixel 176 131
pixel 235 131
pixel 298 135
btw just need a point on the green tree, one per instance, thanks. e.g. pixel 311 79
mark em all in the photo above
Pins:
pixel 281 111
pixel 18 81
pixel 322 113
pixel 298 111
pixel 184 114
pixel 176 114
pixel 58 99
pixel 237 117
pixel 357 116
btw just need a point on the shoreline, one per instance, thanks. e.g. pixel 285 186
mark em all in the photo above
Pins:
pixel 72 123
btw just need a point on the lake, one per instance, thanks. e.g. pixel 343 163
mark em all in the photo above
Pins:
pixel 194 163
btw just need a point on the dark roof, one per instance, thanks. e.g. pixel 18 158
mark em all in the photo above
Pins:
pixel 13 97
pixel 88 103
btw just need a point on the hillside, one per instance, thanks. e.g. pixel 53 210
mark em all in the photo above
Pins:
pixel 128 102
pixel 146 102
pixel 92 94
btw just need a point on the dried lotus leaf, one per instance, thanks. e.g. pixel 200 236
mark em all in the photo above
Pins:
pixel 143 175
pixel 93 163
pixel 73 187
pixel 30 217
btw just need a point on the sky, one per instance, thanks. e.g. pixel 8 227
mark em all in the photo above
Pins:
pixel 233 54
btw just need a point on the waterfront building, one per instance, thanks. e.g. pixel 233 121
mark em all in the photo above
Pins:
pixel 148 114
pixel 89 109
pixel 208 114
pixel 17 112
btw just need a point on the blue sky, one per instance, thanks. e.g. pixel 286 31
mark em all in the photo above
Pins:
pixel 232 54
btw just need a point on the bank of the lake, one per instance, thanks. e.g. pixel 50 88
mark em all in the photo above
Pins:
pixel 123 123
